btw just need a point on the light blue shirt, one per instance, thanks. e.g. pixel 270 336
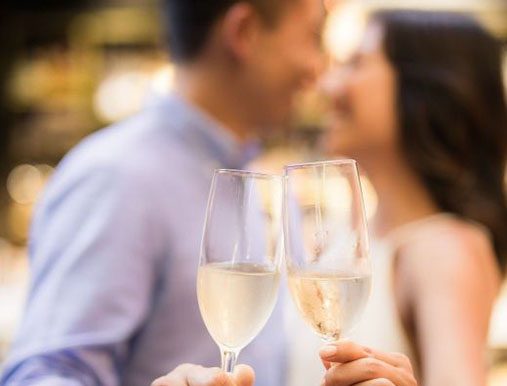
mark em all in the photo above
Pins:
pixel 114 251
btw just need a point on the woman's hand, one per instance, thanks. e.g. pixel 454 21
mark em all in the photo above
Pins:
pixel 194 375
pixel 348 363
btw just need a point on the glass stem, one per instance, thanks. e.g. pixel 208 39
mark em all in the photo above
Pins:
pixel 228 360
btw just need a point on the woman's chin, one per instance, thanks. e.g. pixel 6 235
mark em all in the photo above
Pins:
pixel 336 151
pixel 339 144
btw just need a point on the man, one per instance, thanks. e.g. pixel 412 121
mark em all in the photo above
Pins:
pixel 115 241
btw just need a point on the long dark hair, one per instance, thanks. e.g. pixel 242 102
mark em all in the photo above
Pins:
pixel 452 112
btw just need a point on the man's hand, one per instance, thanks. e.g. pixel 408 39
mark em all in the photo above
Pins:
pixel 194 375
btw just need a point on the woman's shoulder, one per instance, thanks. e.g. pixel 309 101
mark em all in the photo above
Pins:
pixel 445 235
pixel 449 248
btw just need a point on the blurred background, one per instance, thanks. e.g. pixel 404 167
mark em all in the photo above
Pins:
pixel 68 68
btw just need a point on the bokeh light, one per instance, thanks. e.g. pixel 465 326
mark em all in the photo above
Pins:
pixel 343 30
pixel 24 184
pixel 120 95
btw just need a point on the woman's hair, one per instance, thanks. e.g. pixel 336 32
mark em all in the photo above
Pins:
pixel 452 112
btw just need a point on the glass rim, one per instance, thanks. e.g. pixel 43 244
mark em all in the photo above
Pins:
pixel 248 173
pixel 341 161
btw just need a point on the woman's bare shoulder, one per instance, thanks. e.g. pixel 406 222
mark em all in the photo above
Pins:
pixel 448 253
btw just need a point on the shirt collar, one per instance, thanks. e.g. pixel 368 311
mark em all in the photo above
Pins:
pixel 201 128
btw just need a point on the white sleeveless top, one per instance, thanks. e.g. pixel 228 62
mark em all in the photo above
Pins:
pixel 380 326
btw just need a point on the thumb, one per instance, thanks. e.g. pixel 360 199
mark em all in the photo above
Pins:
pixel 243 375
pixel 343 352
pixel 209 377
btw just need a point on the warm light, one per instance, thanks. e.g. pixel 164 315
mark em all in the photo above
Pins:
pixel 124 93
pixel 163 80
pixel 505 69
pixel 45 170
pixel 121 95
pixel 344 29
pixel 25 183
pixel 19 218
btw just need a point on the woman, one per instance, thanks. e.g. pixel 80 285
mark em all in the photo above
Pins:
pixel 421 106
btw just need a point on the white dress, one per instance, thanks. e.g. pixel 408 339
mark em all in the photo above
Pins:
pixel 380 326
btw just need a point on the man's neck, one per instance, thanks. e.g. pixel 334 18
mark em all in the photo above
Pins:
pixel 215 96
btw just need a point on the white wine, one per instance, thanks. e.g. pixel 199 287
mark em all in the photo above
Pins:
pixel 330 303
pixel 236 301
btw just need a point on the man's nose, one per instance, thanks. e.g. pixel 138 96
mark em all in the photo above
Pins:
pixel 314 68
pixel 333 82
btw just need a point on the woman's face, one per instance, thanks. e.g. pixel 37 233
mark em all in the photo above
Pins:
pixel 363 119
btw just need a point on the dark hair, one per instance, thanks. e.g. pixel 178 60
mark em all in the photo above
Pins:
pixel 452 112
pixel 189 22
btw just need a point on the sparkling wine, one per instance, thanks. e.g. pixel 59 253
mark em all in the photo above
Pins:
pixel 330 303
pixel 236 301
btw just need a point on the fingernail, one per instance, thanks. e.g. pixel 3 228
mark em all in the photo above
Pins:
pixel 328 350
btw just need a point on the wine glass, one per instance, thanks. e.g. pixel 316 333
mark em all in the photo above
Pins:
pixel 241 253
pixel 326 245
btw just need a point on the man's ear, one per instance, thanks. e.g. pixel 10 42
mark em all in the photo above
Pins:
pixel 240 28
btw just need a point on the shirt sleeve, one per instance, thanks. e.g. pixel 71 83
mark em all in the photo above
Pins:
pixel 93 272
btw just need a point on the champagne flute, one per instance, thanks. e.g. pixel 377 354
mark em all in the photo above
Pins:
pixel 326 245
pixel 241 250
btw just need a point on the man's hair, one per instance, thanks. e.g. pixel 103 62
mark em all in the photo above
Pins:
pixel 189 22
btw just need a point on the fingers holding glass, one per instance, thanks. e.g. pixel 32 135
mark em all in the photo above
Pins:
pixel 348 363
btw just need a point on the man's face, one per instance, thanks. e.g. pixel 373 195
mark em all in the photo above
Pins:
pixel 288 56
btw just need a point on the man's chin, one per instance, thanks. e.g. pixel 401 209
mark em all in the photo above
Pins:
pixel 276 125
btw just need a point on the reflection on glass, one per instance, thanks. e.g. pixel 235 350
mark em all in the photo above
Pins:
pixel 326 245
pixel 237 282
